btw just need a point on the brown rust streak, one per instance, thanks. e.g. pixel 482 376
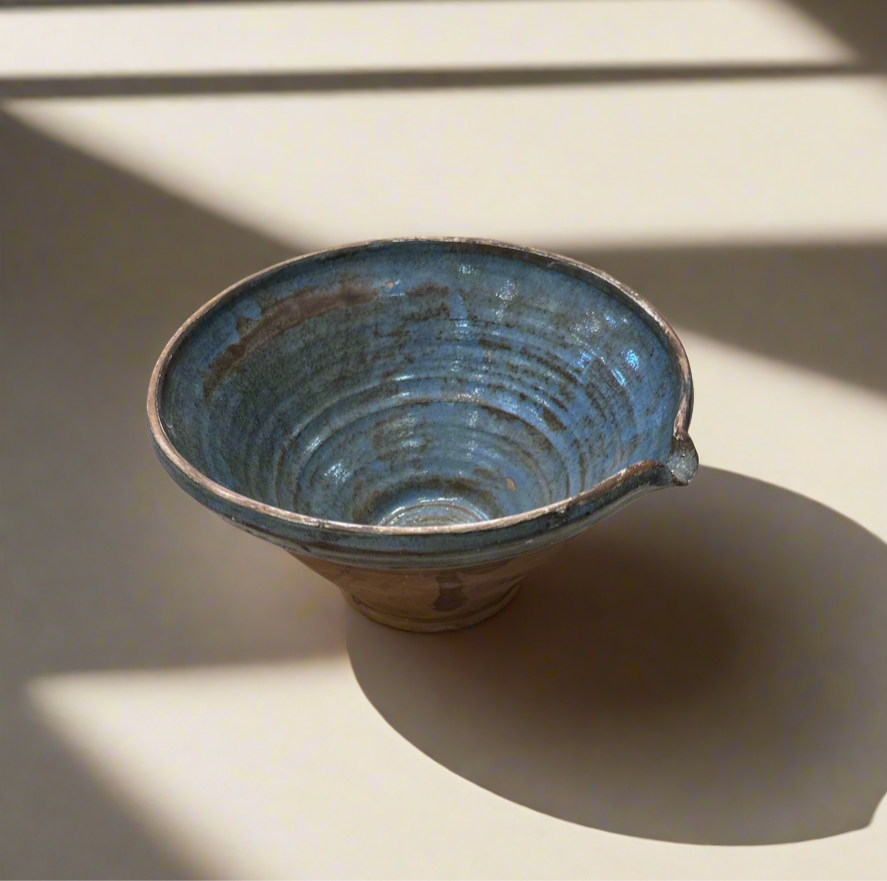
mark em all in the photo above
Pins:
pixel 279 317
pixel 553 365
pixel 428 289
pixel 491 343
pixel 552 421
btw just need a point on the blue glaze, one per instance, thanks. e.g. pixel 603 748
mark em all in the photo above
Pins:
pixel 407 403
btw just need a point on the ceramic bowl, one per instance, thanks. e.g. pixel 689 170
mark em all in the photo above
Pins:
pixel 423 421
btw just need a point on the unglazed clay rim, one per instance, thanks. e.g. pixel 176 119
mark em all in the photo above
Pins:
pixel 680 436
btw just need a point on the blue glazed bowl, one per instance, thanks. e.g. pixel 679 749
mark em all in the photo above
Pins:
pixel 423 421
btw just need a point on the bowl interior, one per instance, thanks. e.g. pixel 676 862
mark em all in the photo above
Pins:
pixel 419 384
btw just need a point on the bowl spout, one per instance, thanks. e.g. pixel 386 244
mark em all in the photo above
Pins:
pixel 682 461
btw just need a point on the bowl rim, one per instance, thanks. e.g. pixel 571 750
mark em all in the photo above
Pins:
pixel 550 260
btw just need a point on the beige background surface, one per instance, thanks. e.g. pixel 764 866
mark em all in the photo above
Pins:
pixel 699 689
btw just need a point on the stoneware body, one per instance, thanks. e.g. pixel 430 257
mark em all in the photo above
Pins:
pixel 423 421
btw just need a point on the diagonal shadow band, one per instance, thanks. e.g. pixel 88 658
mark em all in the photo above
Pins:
pixel 104 565
pixel 705 667
pixel 224 83
pixel 113 568
pixel 57 821
pixel 820 306
pixel 860 24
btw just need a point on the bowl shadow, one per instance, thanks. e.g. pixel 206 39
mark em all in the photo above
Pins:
pixel 706 667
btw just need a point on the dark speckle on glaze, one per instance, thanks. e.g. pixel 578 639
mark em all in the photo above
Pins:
pixel 423 404
pixel 551 419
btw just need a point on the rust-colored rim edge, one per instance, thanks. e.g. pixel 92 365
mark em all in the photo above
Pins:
pixel 680 436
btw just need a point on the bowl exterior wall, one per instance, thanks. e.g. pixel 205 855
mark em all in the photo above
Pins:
pixel 432 600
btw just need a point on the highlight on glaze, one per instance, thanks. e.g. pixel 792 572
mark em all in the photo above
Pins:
pixel 421 402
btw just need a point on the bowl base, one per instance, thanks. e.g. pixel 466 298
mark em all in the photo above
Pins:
pixel 425 625
pixel 431 600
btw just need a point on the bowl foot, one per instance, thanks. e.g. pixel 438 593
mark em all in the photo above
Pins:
pixel 431 600
pixel 425 624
